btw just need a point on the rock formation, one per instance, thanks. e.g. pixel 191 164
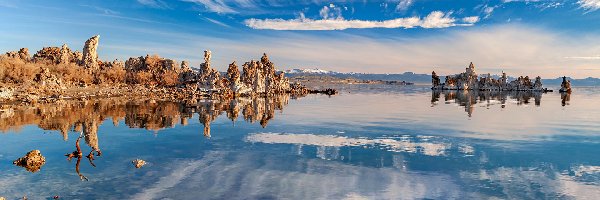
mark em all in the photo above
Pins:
pixel 469 81
pixel 6 93
pixel 435 79
pixel 234 77
pixel 188 76
pixel 65 55
pixel 565 86
pixel 22 54
pixel 209 79
pixel 48 54
pixel 90 53
pixel 151 70
pixel 112 65
pixel 138 163
pixel 45 78
pixel 32 161
pixel 60 66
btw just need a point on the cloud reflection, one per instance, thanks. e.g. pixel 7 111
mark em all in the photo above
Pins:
pixel 406 143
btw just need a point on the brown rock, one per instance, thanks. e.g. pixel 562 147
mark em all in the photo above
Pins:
pixel 22 54
pixel 138 163
pixel 90 54
pixel 435 79
pixel 48 54
pixel 32 161
pixel 65 54
pixel 565 86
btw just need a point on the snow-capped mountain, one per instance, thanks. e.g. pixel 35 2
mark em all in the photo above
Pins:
pixel 308 71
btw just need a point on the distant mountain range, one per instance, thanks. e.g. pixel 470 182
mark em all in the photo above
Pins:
pixel 420 78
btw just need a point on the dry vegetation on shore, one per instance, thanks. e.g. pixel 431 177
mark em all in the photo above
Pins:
pixel 58 73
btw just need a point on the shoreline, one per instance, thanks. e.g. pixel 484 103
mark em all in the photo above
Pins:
pixel 57 73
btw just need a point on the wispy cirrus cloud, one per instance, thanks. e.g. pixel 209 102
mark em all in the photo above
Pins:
pixel 214 21
pixel 471 20
pixel 154 4
pixel 218 6
pixel 435 19
pixel 590 5
pixel 403 5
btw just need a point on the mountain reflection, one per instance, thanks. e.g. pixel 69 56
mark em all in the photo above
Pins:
pixel 468 99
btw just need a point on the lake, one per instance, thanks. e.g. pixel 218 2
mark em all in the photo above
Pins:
pixel 368 142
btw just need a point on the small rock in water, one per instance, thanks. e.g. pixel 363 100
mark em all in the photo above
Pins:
pixel 32 161
pixel 138 163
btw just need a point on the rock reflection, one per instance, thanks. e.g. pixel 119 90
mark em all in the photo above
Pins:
pixel 79 154
pixel 468 99
pixel 565 98
pixel 87 116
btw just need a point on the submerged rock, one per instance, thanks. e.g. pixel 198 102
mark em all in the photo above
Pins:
pixel 32 161
pixel 138 163
pixel 90 54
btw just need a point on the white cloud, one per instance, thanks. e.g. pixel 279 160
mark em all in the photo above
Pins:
pixel 591 5
pixel 583 57
pixel 488 11
pixel 471 20
pixel 217 22
pixel 404 5
pixel 218 6
pixel 154 3
pixel 331 12
pixel 436 19
pixel 406 144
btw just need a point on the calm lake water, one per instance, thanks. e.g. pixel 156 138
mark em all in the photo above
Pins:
pixel 368 142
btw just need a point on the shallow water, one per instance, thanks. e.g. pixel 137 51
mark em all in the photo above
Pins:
pixel 370 141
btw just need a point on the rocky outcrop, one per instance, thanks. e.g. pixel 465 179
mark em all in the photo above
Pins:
pixel 135 64
pixel 463 81
pixel 187 75
pixel 435 79
pixel 65 55
pixel 47 79
pixel 48 54
pixel 138 163
pixel 112 65
pixel 565 86
pixel 55 55
pixel 469 81
pixel 279 83
pixel 22 54
pixel 6 93
pixel 209 79
pixel 235 83
pixel 90 53
pixel 152 70
pixel 32 161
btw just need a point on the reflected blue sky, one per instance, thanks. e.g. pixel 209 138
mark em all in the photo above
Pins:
pixel 386 143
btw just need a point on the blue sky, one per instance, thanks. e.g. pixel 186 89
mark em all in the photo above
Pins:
pixel 529 37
